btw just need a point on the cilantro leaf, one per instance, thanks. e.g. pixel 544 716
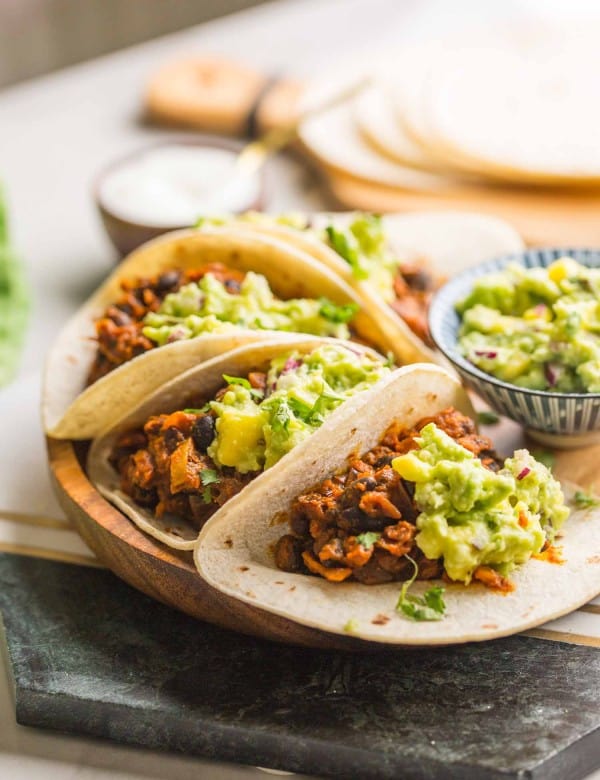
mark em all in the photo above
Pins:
pixel 242 382
pixel 487 418
pixel 430 606
pixel 190 410
pixel 237 380
pixel 545 457
pixel 585 500
pixel 368 539
pixel 340 314
pixel 301 409
pixel 347 248
pixel 434 598
pixel 208 477
pixel 280 421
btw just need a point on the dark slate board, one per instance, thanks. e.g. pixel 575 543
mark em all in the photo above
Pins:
pixel 92 656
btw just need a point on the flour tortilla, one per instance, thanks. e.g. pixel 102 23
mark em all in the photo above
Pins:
pixel 234 550
pixel 334 139
pixel 72 411
pixel 373 112
pixel 201 381
pixel 447 242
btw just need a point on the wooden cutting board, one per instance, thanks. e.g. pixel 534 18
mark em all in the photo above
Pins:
pixel 219 96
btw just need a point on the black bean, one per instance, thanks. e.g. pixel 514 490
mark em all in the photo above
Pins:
pixel 168 281
pixel 203 432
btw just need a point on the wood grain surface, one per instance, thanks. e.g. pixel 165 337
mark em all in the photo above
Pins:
pixel 170 576
pixel 161 573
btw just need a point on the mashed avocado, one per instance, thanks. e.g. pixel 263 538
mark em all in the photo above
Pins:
pixel 471 516
pixel 254 429
pixel 537 328
pixel 207 306
pixel 361 243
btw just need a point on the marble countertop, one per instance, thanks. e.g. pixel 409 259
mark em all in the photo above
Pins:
pixel 56 133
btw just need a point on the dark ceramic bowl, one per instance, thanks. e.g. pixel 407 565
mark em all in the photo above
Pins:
pixel 563 420
pixel 127 235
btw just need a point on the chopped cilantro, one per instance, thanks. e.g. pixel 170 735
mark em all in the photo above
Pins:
pixel 191 410
pixel 429 606
pixel 585 500
pixel 368 539
pixel 208 477
pixel 301 409
pixel 340 314
pixel 347 248
pixel 545 457
pixel 487 418
pixel 351 626
pixel 282 416
pixel 242 382
pixel 237 380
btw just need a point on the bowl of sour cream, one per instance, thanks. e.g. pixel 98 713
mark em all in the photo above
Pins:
pixel 170 185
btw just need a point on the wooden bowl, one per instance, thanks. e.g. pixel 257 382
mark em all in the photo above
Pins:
pixel 164 574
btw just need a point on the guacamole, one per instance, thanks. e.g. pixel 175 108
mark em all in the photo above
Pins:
pixel 208 306
pixel 254 430
pixel 472 516
pixel 361 243
pixel 537 328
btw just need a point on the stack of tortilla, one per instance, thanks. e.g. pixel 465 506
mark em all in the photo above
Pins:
pixel 438 115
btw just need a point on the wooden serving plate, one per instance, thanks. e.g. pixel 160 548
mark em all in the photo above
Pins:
pixel 169 576
pixel 164 574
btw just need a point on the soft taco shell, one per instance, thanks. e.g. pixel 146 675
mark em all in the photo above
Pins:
pixel 233 553
pixel 446 241
pixel 72 411
pixel 203 381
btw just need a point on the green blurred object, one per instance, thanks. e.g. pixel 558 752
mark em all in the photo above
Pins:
pixel 14 302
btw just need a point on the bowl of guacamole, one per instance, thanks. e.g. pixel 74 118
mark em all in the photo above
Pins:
pixel 523 331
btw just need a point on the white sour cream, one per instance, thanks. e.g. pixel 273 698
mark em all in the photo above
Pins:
pixel 173 185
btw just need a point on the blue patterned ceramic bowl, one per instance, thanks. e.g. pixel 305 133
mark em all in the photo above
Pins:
pixel 558 419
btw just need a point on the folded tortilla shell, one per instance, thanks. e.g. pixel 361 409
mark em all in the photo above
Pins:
pixel 201 381
pixel 71 410
pixel 234 549
pixel 446 241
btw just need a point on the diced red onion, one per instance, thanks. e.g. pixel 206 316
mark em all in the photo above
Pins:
pixel 485 353
pixel 290 364
pixel 523 473
pixel 552 372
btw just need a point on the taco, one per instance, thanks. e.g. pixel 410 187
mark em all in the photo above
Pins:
pixel 395 263
pixel 406 528
pixel 198 441
pixel 180 300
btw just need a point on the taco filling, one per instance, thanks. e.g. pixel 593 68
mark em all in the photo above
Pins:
pixel 407 286
pixel 177 305
pixel 190 462
pixel 435 494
